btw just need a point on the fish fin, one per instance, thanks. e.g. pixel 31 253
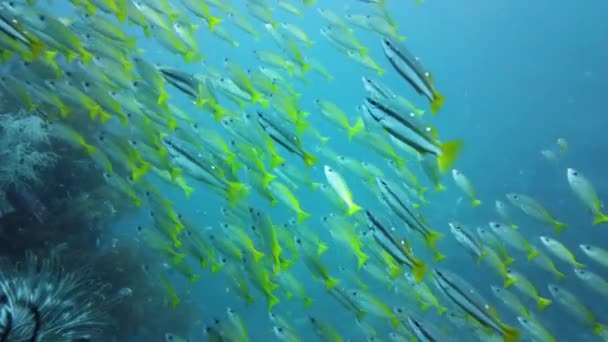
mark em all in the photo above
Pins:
pixel 36 48
pixel 559 275
pixel 440 187
pixel 542 303
pixel 308 302
pixel 272 301
pixel 361 259
pixel 301 126
pixel 131 43
pixel 302 215
pixel 249 299
pixel 475 203
pixel 509 281
pixel 309 159
pixel 532 254
pixel 356 128
pixel 275 160
pixel 559 226
pixel 352 209
pixel 449 153
pixel 600 218
pixel 418 269
pixel 424 306
pixel 514 226
pixel 163 97
pixel 257 255
pixel 509 334
pixel 598 328
pixel 330 283
pixel 288 295
pixel 236 191
pixel 213 22
pixel 194 278
pixel 439 256
pixel 321 248
pixel 578 265
pixel 508 260
pixel 192 56
pixel 441 309
pixel 432 237
pixel 437 103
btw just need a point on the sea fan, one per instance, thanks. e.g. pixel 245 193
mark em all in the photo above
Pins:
pixel 40 301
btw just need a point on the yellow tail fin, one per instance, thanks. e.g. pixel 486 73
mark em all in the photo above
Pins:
pixel 356 128
pixel 510 334
pixel 309 159
pixel 352 209
pixel 418 270
pixel 559 226
pixel 449 153
pixel 532 254
pixel 600 218
pixel 213 22
pixel 330 283
pixel 236 191
pixel 475 203
pixel 432 237
pixel 302 215
pixel 437 103
pixel 542 303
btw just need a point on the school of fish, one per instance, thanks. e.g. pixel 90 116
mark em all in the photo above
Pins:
pixel 247 137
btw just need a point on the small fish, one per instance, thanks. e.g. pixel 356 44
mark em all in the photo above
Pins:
pixel 467 240
pixel 340 186
pixel 527 288
pixel 510 300
pixel 503 212
pixel 536 330
pixel 514 239
pixel 594 281
pixel 586 193
pixel 465 185
pixel 410 68
pixel 532 208
pixel 174 338
pixel 560 251
pixel 597 254
pixel 575 307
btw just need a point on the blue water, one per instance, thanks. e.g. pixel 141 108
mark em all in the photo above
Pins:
pixel 517 75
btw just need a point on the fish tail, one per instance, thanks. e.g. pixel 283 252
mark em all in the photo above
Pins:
pixel 441 310
pixel 508 260
pixel 432 237
pixel 213 22
pixel 141 171
pixel 418 269
pixel 121 16
pixel 578 265
pixel 509 334
pixel 309 159
pixel 542 303
pixel 533 253
pixel 194 278
pixel 236 191
pixel 275 159
pixel 163 97
pixel 178 258
pixel 131 43
pixel 90 149
pixel 308 302
pixel 394 272
pixel 147 31
pixel 301 126
pixel 321 248
pixel 438 256
pixel 356 128
pixel 509 281
pixel 559 274
pixel 558 226
pixel 352 209
pixel 440 187
pixel 5 56
pixel 514 226
pixel 267 179
pixel 475 203
pixel 424 306
pixel 331 282
pixel 249 299
pixel 437 102
pixel 380 71
pixel 272 301
pixel 361 259
pixel 192 56
pixel 215 266
pixel 36 47
pixel 257 255
pixel 395 322
pixel 302 215
pixel 86 56
pixel 449 153
pixel 600 218
pixel 305 67
pixel 598 328
pixel 188 190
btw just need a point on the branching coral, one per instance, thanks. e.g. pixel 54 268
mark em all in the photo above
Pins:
pixel 22 141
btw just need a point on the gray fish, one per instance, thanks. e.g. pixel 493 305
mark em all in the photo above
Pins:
pixel 410 68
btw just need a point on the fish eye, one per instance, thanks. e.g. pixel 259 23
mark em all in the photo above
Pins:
pixel 496 225
pixel 280 330
pixel 399 310
pixel 575 173
pixel 355 293
pixel 169 337
pixel 515 197
pixel 41 17
pixel 587 247
pixel 139 228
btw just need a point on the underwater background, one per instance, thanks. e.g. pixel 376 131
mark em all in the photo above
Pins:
pixel 516 76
